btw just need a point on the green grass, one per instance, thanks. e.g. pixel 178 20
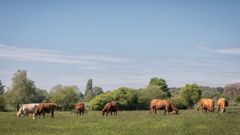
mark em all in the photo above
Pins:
pixel 189 122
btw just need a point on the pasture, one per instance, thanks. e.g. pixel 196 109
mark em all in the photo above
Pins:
pixel 189 122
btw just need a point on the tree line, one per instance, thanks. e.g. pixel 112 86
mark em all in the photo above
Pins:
pixel 23 90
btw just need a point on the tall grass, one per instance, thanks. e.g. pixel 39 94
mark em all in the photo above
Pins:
pixel 189 122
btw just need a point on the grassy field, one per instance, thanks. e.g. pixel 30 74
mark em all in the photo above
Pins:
pixel 189 122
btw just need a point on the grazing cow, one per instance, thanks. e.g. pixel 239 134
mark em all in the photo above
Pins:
pixel 206 104
pixel 111 107
pixel 45 108
pixel 80 108
pixel 27 109
pixel 165 104
pixel 222 104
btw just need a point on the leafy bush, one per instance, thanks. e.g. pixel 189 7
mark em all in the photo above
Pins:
pixel 180 103
pixel 127 99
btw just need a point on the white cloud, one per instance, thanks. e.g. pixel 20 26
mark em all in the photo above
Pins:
pixel 52 56
pixel 232 51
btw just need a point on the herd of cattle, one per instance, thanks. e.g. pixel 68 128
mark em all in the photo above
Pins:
pixel 38 109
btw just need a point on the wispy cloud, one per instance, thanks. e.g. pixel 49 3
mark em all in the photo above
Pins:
pixel 52 56
pixel 232 51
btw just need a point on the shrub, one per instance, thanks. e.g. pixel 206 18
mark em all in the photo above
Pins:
pixel 180 103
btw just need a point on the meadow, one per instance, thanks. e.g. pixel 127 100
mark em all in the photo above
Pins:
pixel 188 122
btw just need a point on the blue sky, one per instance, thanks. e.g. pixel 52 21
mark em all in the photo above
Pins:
pixel 120 43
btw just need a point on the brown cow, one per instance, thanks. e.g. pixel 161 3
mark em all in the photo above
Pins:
pixel 165 104
pixel 110 107
pixel 222 104
pixel 45 108
pixel 80 108
pixel 206 104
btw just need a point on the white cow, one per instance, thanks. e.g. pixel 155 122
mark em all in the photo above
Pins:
pixel 25 109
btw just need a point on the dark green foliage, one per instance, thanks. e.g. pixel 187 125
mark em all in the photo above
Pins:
pixel 160 84
pixel 41 95
pixel 97 91
pixel 1 88
pixel 2 101
pixel 89 95
pixel 180 103
pixel 65 96
pixel 191 93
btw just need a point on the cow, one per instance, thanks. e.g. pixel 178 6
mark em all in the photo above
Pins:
pixel 80 108
pixel 45 108
pixel 27 109
pixel 165 104
pixel 206 104
pixel 222 104
pixel 111 107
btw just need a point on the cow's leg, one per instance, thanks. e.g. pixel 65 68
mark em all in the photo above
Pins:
pixel 52 114
pixel 155 110
pixel 219 108
pixel 43 115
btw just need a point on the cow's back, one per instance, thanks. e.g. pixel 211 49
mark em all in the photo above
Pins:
pixel 207 104
pixel 160 103
pixel 114 105
pixel 79 106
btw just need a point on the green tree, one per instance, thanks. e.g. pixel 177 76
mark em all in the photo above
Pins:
pixel 160 84
pixel 97 91
pixel 41 95
pixel 1 88
pixel 99 101
pixel 65 96
pixel 126 98
pixel 89 95
pixel 237 100
pixel 2 101
pixel 180 103
pixel 191 93
pixel 23 90
pixel 147 94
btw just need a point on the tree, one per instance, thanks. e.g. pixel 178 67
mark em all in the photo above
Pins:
pixel 97 91
pixel 160 84
pixel 89 91
pixel 65 96
pixel 23 90
pixel 99 101
pixel 1 88
pixel 147 94
pixel 237 100
pixel 2 101
pixel 191 93
pixel 41 95
pixel 126 98
pixel 232 89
